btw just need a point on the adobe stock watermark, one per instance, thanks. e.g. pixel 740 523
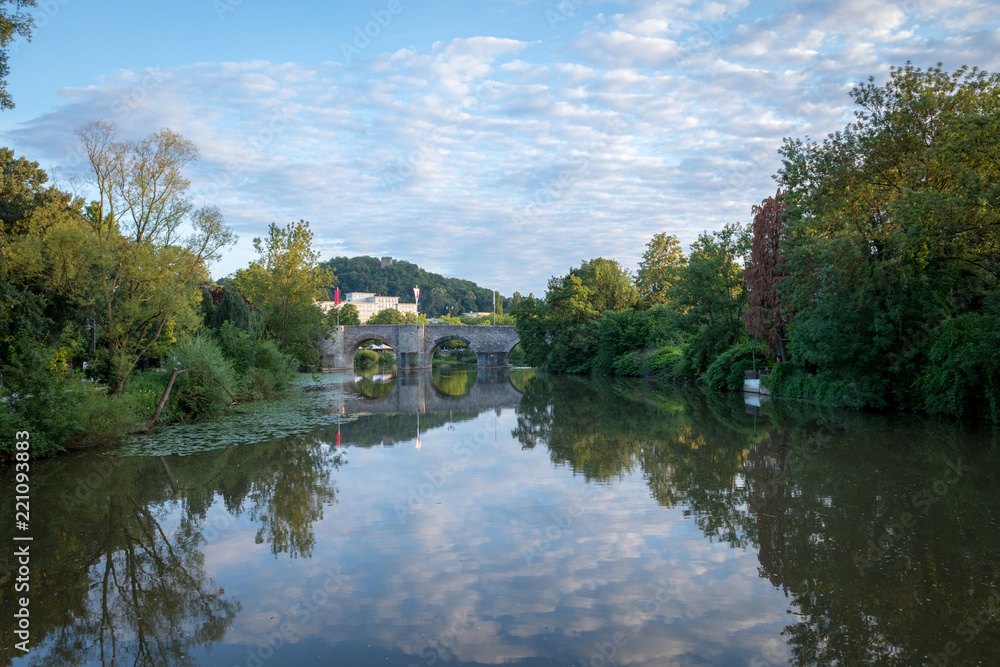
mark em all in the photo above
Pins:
pixel 561 526
pixel 250 151
pixel 968 629
pixel 418 495
pixel 303 610
pixel 223 7
pixel 428 147
pixel 432 651
pixel 607 650
pixel 47 10
pixel 562 12
pixel 367 33
pixel 922 500
pixel 549 193
pixel 137 94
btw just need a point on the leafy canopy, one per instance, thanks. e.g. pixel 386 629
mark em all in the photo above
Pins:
pixel 284 283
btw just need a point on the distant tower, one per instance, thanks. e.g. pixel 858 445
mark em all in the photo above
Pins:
pixel 386 261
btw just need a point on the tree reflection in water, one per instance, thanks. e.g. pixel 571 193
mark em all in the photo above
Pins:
pixel 119 555
pixel 810 490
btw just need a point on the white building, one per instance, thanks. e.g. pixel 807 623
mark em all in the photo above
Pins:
pixel 368 304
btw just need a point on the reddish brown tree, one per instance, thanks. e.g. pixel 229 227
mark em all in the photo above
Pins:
pixel 763 318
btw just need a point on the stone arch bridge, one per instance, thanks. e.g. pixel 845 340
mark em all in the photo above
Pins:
pixel 414 344
pixel 415 393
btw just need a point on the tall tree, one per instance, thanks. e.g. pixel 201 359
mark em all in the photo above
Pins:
pixel 894 226
pixel 123 261
pixel 609 285
pixel 712 295
pixel 713 286
pixel 12 25
pixel 660 269
pixel 285 282
pixel 763 317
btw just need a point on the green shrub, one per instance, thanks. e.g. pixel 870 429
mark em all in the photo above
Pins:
pixel 664 363
pixel 102 418
pixel 44 441
pixel 518 357
pixel 272 370
pixel 963 376
pixel 146 388
pixel 630 364
pixel 365 359
pixel 789 379
pixel 40 398
pixel 728 370
pixel 238 346
pixel 197 394
pixel 386 359
pixel 703 349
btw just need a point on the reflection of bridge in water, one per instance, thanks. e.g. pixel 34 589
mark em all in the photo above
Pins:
pixel 415 393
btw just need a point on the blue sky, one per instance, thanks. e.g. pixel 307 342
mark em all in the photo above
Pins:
pixel 498 141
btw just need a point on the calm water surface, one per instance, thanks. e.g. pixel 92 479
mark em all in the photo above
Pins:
pixel 466 518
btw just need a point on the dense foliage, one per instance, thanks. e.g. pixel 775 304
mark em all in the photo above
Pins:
pixel 878 259
pixel 891 241
pixel 284 283
pixel 103 304
pixel 438 295
pixel 687 311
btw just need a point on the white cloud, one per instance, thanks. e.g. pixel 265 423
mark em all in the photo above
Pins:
pixel 505 161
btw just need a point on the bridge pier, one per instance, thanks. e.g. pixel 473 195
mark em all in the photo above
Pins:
pixel 489 359
pixel 407 360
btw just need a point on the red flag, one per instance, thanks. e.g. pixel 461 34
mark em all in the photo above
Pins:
pixel 336 296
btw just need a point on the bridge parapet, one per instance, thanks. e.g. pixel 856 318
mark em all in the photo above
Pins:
pixel 414 344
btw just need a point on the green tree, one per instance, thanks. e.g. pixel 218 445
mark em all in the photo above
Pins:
pixel 660 269
pixel 713 286
pixel 348 315
pixel 387 316
pixel 712 293
pixel 610 287
pixel 123 261
pixel 285 282
pixel 23 190
pixel 11 25
pixel 892 228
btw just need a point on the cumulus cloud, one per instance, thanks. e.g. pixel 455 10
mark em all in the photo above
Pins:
pixel 452 580
pixel 523 156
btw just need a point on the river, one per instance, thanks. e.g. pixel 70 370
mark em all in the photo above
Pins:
pixel 479 518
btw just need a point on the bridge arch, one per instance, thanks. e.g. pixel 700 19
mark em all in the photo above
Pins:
pixel 358 342
pixel 414 344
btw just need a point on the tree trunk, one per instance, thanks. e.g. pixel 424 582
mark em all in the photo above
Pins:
pixel 170 384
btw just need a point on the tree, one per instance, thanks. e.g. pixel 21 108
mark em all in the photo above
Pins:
pixel 763 318
pixel 713 285
pixel 609 286
pixel 122 261
pixel 388 316
pixel 893 227
pixel 285 282
pixel 12 25
pixel 23 191
pixel 660 269
pixel 712 292
pixel 346 315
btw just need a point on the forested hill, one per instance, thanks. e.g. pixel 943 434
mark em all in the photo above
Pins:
pixel 437 293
